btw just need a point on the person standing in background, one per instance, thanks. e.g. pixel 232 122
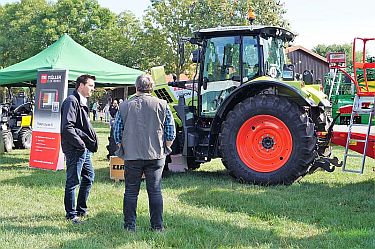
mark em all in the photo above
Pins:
pixel 113 110
pixel 111 147
pixel 95 107
pixel 106 113
pixel 101 112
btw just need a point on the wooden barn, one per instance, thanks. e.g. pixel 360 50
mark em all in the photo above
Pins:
pixel 304 59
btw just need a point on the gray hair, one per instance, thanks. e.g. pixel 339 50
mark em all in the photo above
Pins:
pixel 144 83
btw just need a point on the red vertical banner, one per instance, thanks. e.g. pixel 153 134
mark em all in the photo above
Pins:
pixel 51 90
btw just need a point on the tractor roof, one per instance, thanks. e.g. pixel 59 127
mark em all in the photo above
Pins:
pixel 264 31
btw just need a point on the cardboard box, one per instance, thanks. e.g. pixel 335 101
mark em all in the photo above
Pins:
pixel 116 168
pixel 178 163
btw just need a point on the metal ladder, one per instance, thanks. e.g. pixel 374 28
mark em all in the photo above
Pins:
pixel 358 109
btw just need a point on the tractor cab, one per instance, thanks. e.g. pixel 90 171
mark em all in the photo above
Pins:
pixel 232 56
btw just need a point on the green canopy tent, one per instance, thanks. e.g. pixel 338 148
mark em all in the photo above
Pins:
pixel 65 53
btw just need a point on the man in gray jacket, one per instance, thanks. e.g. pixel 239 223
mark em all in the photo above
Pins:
pixel 144 130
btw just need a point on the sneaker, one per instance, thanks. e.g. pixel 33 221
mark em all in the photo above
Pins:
pixel 83 215
pixel 129 229
pixel 75 220
pixel 158 229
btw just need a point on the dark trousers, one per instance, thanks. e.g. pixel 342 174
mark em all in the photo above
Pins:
pixel 153 170
pixel 79 172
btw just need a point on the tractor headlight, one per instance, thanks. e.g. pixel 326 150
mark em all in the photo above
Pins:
pixel 4 127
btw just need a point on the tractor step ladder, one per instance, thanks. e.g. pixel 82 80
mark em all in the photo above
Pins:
pixel 358 108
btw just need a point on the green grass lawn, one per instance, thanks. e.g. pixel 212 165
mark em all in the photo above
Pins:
pixel 202 209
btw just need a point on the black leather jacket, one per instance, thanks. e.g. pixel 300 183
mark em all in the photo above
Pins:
pixel 112 111
pixel 76 130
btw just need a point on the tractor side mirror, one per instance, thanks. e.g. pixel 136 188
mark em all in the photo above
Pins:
pixel 174 77
pixel 288 72
pixel 307 77
pixel 181 52
pixel 196 56
pixel 205 81
pixel 266 67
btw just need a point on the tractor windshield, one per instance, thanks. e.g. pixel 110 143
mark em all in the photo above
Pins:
pixel 274 56
pixel 222 59
pixel 222 68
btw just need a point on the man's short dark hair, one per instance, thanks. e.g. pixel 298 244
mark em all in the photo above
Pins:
pixel 83 79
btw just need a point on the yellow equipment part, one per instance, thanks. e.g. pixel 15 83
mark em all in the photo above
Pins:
pixel 371 85
pixel 158 74
pixel 26 121
pixel 314 93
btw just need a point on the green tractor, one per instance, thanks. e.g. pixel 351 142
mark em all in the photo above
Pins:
pixel 247 108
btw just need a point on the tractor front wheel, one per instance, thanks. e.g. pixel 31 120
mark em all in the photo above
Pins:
pixel 8 140
pixel 24 138
pixel 267 140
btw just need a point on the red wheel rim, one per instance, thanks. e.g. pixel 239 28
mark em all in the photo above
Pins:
pixel 264 143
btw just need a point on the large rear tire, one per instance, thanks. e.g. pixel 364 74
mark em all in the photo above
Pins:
pixel 267 140
pixel 8 140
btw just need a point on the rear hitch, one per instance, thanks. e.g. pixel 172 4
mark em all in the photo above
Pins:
pixel 335 161
pixel 325 163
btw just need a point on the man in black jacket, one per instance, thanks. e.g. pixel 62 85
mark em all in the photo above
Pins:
pixel 112 111
pixel 78 142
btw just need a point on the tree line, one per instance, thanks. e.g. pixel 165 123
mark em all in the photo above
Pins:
pixel 29 26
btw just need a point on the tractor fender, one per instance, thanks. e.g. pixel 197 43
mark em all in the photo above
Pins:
pixel 249 90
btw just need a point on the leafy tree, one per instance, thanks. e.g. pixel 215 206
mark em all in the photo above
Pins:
pixel 97 95
pixel 29 26
pixel 18 39
pixel 83 20
pixel 212 13
pixel 126 46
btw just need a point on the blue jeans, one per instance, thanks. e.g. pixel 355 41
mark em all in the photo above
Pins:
pixel 78 165
pixel 153 170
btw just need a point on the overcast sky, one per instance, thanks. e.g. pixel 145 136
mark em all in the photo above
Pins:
pixel 315 21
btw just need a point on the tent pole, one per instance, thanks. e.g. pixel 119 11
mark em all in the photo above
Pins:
pixel 126 92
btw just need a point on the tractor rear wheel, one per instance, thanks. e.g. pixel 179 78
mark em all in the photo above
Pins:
pixel 8 140
pixel 267 140
pixel 24 138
